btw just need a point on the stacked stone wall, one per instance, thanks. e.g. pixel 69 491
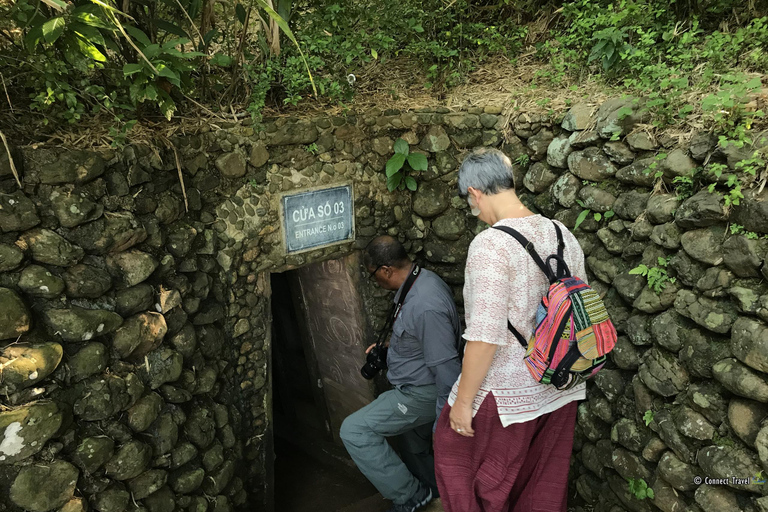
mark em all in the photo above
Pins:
pixel 135 313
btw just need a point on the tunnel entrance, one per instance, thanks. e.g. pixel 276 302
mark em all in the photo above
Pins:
pixel 318 335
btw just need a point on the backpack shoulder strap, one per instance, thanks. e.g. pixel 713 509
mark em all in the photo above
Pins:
pixel 528 246
pixel 560 241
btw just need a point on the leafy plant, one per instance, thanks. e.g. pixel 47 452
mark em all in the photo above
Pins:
pixel 656 276
pixel 610 47
pixel 523 160
pixel 648 417
pixel 401 165
pixel 639 489
pixel 311 148
pixel 585 213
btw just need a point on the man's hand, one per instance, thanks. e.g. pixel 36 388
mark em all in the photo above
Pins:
pixel 370 348
pixel 461 420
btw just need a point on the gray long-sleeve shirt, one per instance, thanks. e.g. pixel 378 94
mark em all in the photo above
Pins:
pixel 425 338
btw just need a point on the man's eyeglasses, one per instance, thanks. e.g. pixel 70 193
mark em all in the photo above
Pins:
pixel 372 275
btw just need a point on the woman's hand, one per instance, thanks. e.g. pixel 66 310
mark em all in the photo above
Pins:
pixel 461 420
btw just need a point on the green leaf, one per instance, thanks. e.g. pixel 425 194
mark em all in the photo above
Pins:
pixel 240 12
pixel 87 32
pixel 598 216
pixel 395 163
pixel 374 54
pixel 649 492
pixel 53 28
pixel 33 37
pixel 402 147
pixel 581 218
pixel 208 37
pixel 92 15
pixel 639 270
pixel 89 50
pixel 138 35
pixel 410 183
pixel 171 28
pixel 418 162
pixel 168 73
pixel 220 59
pixel 394 181
pixel 608 214
pixel 55 4
pixel 130 69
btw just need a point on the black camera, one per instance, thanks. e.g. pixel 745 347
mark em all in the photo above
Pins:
pixel 375 360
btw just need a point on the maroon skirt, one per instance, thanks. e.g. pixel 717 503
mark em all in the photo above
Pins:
pixel 521 468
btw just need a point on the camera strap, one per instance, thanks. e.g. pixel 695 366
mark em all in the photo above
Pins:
pixel 398 305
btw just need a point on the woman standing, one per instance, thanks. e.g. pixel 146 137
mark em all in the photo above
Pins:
pixel 505 441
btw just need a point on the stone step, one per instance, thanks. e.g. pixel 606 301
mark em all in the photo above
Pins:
pixel 377 503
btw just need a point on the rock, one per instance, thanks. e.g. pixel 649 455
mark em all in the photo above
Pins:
pixel 651 302
pixel 743 256
pixel 187 482
pixel 182 454
pixel 585 139
pixel 134 299
pixel 200 427
pixel 630 205
pixel 559 149
pixel 752 211
pixel 566 189
pixel 56 167
pixel 701 210
pixel 220 478
pixel 430 200
pixel 638 173
pixel 139 335
pixel 627 433
pixel 662 373
pixel 86 281
pixel 666 498
pixel 701 350
pixel 49 248
pixel 44 487
pixel 618 116
pixel 181 237
pixel 715 282
pixel 10 257
pixel 637 330
pixel 185 341
pixel 93 452
pixel 164 365
pixel 144 412
pixel 451 225
pixel 441 252
pixel 302 132
pixel 667 235
pixel 717 316
pixel 259 155
pixel 147 483
pixel 618 152
pixel 662 208
pixel 14 316
pixel 693 424
pixel 716 499
pixel 579 117
pixel 17 212
pixel 24 365
pixel 705 245
pixel 163 435
pixel 745 417
pixel 591 164
pixel 129 462
pixel 668 328
pixel 741 380
pixel 231 165
pixel 726 462
pixel 708 398
pixel 746 299
pixel 539 143
pixel 539 178
pixel 102 397
pixel 641 141
pixel 75 505
pixel 115 232
pixel 25 430
pixel 611 383
pixel 132 267
pixel 614 242
pixel 72 208
pixel 678 164
pixel 702 144
pixel 39 282
pixel 684 448
pixel 749 342
pixel 78 324
pixel 597 200
pixel 629 286
pixel 435 140
pixel 114 499
pixel 679 474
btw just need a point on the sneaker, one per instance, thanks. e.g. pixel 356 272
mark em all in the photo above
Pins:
pixel 422 497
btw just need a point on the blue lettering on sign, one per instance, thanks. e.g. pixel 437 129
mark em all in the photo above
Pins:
pixel 316 218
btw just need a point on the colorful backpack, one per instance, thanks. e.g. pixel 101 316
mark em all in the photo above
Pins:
pixel 573 332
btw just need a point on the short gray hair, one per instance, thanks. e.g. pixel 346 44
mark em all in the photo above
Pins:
pixel 486 169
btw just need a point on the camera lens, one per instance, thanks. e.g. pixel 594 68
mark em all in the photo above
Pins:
pixel 368 372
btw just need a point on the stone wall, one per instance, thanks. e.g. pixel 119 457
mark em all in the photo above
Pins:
pixel 135 319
